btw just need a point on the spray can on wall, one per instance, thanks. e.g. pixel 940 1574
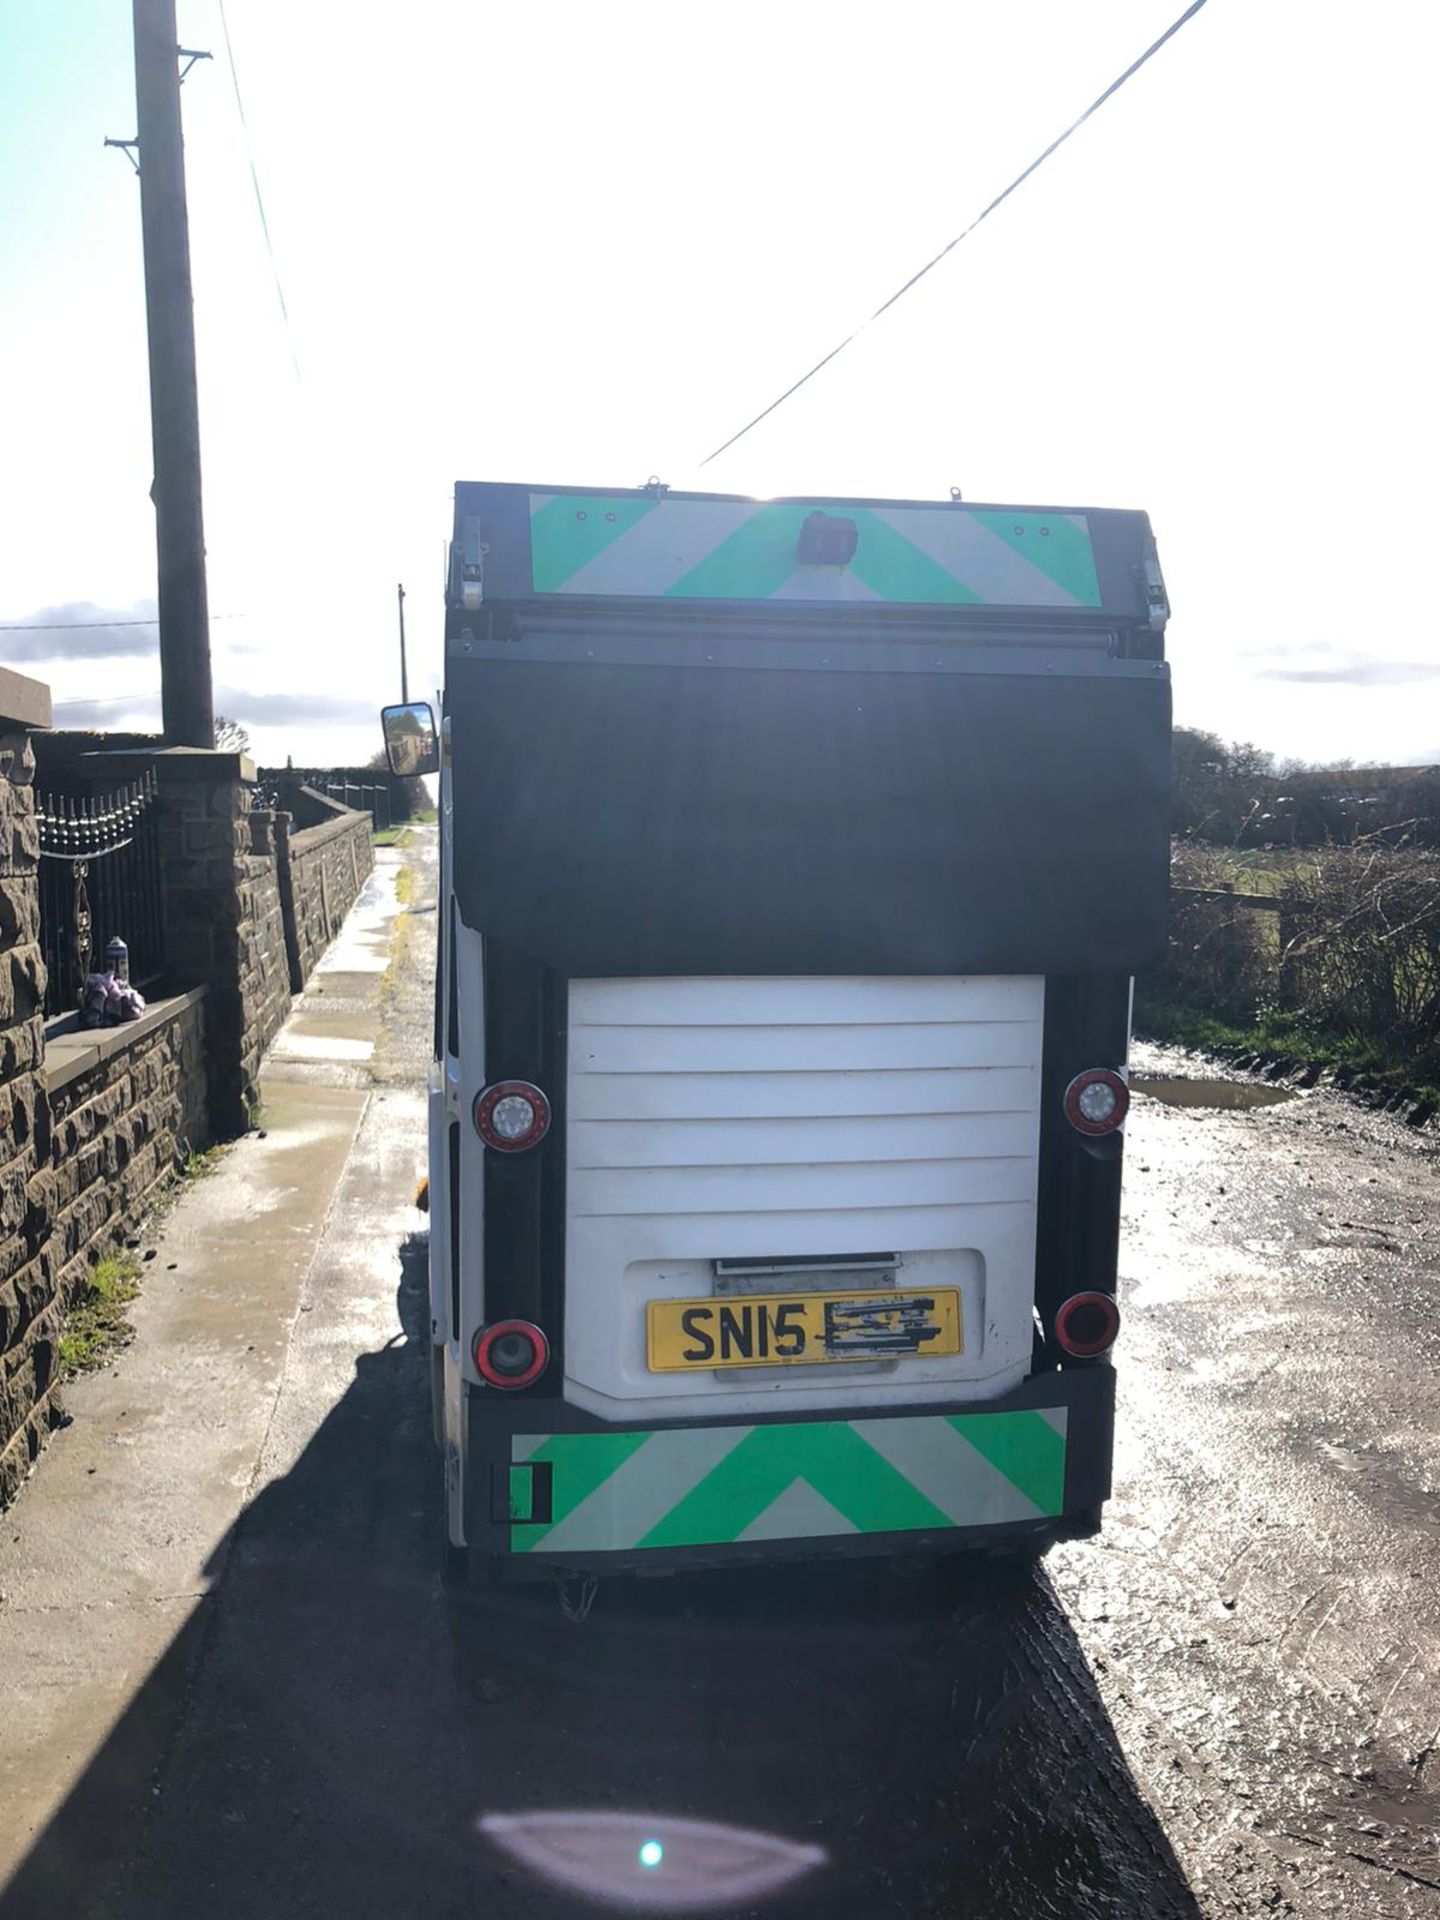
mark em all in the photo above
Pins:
pixel 117 959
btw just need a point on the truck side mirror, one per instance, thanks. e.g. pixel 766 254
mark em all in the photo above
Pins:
pixel 410 743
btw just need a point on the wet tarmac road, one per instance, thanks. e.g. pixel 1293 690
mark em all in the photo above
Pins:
pixel 1228 1704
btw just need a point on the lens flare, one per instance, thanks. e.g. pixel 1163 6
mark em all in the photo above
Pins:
pixel 650 1863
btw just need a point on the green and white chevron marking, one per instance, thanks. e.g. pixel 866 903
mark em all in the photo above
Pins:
pixel 703 1486
pixel 744 550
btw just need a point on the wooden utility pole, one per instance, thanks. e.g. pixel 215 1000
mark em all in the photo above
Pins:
pixel 404 677
pixel 187 701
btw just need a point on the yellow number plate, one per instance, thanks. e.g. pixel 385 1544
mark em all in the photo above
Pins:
pixel 776 1329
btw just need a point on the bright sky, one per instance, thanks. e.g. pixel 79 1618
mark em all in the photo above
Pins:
pixel 559 242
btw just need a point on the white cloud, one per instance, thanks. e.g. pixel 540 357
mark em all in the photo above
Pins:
pixel 589 244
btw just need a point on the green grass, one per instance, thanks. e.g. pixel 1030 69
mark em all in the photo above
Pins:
pixel 1258 879
pixel 407 928
pixel 1259 869
pixel 197 1165
pixel 406 883
pixel 96 1323
pixel 389 836
pixel 1287 1036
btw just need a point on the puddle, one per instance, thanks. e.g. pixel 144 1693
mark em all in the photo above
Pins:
pixel 1231 1096
pixel 1384 1484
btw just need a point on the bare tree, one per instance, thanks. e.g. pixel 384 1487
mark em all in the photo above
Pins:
pixel 409 791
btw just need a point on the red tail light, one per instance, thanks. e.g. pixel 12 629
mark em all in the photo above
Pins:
pixel 1097 1101
pixel 511 1116
pixel 1087 1324
pixel 510 1354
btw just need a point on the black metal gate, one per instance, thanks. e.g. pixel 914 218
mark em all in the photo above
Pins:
pixel 361 795
pixel 99 877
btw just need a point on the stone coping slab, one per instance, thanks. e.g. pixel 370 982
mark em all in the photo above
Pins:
pixel 71 1049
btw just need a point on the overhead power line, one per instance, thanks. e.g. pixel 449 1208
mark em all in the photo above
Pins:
pixel 62 626
pixel 255 182
pixel 72 626
pixel 111 700
pixel 999 200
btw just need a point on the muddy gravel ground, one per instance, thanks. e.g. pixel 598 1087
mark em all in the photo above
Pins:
pixel 1227 1704
pixel 1261 1612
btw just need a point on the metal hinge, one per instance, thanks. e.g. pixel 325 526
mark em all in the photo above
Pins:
pixel 472 566
pixel 1156 600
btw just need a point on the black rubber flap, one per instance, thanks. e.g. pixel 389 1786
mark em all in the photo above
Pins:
pixel 614 819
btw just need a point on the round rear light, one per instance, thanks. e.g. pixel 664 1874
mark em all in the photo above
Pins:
pixel 1087 1324
pixel 1097 1101
pixel 511 1116
pixel 511 1353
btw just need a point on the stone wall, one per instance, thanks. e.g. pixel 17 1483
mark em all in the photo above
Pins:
pixel 94 1123
pixel 262 951
pixel 249 904
pixel 127 1104
pixel 328 866
pixel 222 916
pixel 29 1308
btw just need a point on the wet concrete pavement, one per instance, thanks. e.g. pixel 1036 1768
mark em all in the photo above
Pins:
pixel 1226 1705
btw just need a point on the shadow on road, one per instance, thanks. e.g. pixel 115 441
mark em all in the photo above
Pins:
pixel 332 1723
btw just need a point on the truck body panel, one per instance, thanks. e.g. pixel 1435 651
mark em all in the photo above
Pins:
pixel 799 1120
pixel 797 857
